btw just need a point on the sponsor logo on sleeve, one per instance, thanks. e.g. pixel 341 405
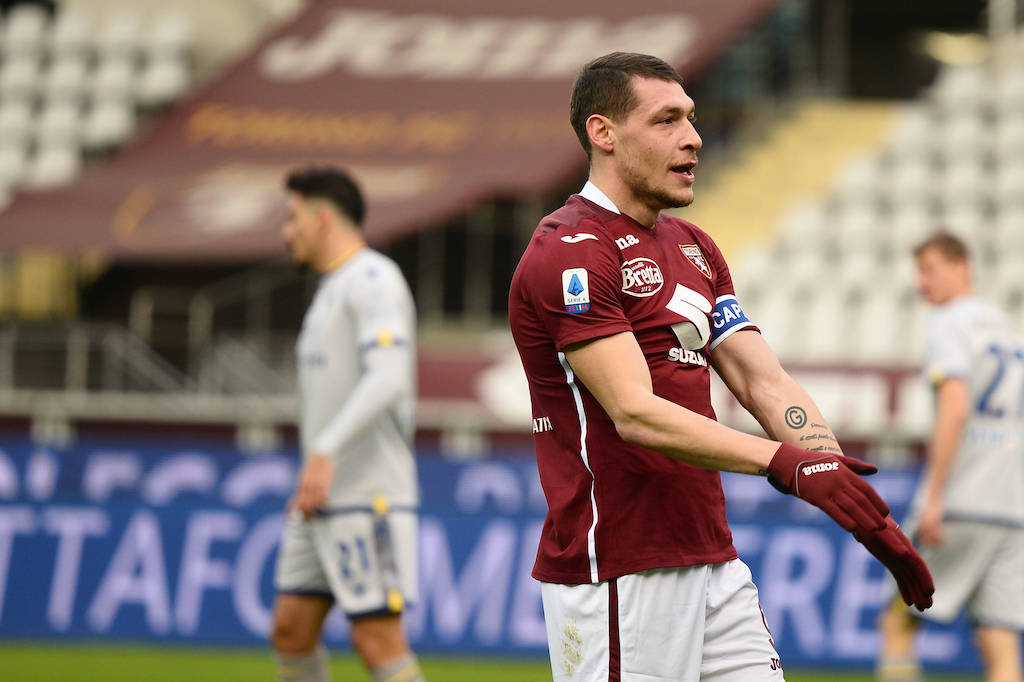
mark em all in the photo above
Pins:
pixel 694 255
pixel 641 277
pixel 575 290
pixel 578 237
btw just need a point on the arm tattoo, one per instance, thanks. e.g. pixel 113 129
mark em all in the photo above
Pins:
pixel 820 436
pixel 796 417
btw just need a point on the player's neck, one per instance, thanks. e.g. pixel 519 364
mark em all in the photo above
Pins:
pixel 624 199
pixel 339 252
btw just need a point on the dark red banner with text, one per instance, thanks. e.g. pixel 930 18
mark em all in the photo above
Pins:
pixel 433 105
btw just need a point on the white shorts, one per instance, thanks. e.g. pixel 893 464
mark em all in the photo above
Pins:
pixel 697 623
pixel 342 557
pixel 979 568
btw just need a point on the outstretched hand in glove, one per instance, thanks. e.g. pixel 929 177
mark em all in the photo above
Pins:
pixel 833 483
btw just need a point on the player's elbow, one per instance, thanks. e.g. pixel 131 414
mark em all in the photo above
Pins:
pixel 630 423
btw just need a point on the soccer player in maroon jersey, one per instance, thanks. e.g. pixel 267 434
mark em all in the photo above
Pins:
pixel 617 313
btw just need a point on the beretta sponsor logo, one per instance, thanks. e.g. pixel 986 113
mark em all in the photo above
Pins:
pixel 641 277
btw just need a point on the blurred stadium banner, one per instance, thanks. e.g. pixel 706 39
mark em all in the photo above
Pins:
pixel 176 543
pixel 433 104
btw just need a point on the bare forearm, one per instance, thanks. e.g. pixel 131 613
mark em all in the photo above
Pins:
pixel 788 414
pixel 942 452
pixel 689 437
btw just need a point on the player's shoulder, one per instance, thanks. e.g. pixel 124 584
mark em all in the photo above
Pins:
pixel 570 232
pixel 684 228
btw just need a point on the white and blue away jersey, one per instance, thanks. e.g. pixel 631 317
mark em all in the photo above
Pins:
pixel 972 340
pixel 357 380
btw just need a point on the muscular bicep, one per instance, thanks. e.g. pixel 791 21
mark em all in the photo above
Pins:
pixel 613 369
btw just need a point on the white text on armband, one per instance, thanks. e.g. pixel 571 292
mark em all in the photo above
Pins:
pixel 727 317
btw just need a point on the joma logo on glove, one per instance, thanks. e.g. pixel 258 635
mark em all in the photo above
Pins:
pixel 816 468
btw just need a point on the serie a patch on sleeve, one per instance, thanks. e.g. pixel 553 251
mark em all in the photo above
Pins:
pixel 727 317
pixel 575 290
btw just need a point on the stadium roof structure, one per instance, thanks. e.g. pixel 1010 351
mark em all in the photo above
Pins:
pixel 433 104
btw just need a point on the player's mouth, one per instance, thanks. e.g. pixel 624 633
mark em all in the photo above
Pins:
pixel 684 171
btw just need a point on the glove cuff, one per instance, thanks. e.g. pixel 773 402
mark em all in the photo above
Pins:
pixel 785 466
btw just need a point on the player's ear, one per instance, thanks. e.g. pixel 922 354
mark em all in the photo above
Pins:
pixel 601 133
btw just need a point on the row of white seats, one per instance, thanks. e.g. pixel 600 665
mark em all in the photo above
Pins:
pixel 105 124
pixel 916 134
pixel 973 87
pixel 28 29
pixel 916 180
pixel 152 82
pixel 49 166
pixel 856 405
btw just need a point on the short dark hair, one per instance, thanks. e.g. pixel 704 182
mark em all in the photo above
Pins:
pixel 603 87
pixel 330 183
pixel 948 244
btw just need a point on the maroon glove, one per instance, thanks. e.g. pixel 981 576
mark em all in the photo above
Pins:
pixel 832 484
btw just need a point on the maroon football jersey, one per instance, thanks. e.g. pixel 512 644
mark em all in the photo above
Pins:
pixel 613 507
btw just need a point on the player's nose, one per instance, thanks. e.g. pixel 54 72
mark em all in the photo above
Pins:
pixel 691 140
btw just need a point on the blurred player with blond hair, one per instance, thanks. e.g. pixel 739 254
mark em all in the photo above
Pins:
pixel 968 513
pixel 351 532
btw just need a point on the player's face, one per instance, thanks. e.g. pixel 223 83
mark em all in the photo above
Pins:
pixel 656 145
pixel 299 229
pixel 940 279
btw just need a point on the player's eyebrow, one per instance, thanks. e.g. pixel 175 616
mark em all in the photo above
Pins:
pixel 673 110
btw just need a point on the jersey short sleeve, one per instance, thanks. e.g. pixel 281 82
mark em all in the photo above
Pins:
pixel 573 282
pixel 949 349
pixel 728 316
pixel 381 306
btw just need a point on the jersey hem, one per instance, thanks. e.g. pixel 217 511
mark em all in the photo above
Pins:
pixel 617 570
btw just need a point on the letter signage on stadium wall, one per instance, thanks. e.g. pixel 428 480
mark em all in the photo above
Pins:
pixel 433 104
pixel 114 541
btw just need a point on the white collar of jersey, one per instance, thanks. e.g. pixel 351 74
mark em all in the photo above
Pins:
pixel 592 193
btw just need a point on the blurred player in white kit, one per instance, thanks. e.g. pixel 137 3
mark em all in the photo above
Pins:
pixel 351 532
pixel 968 514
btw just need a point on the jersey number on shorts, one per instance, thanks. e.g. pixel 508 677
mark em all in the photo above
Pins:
pixel 363 562
pixel 1006 386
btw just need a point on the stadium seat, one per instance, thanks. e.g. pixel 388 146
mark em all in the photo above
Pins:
pixel 1009 184
pixel 24 30
pixel 913 132
pixel 170 35
pixel 859 180
pixel 66 78
pixel 911 178
pixel 959 87
pixel 53 165
pixel 59 122
pixel 162 80
pixel 19 76
pixel 823 325
pixel 802 228
pixel 108 123
pixel 13 162
pixel 71 34
pixel 915 408
pixel 1008 92
pixel 121 35
pixel 114 77
pixel 1008 138
pixel 962 138
pixel 15 119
